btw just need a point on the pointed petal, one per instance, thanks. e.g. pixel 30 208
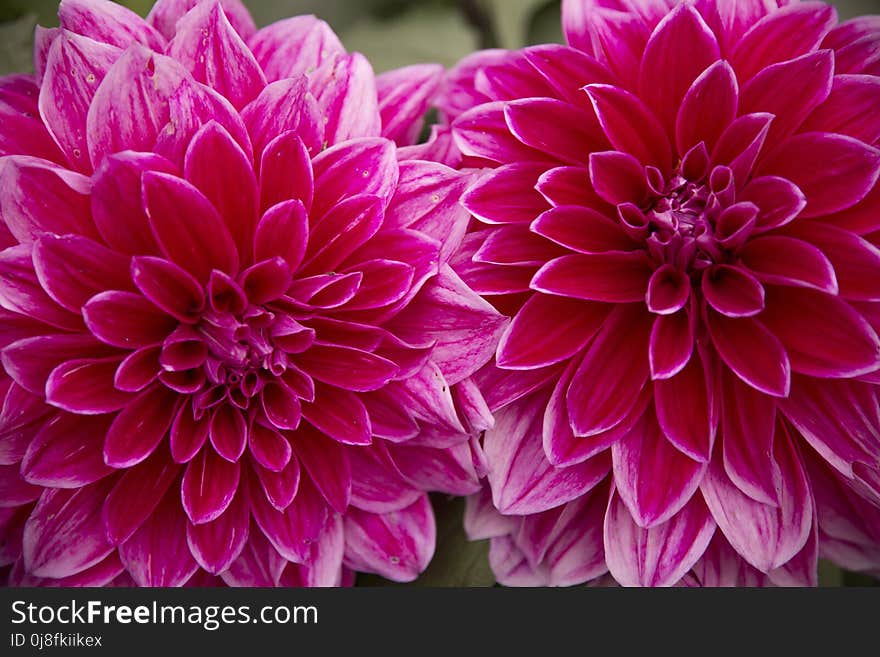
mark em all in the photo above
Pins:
pixel 139 428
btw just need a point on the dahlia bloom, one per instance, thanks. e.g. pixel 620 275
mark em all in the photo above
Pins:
pixel 681 215
pixel 233 342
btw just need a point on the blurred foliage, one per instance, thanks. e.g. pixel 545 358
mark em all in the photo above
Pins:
pixel 457 561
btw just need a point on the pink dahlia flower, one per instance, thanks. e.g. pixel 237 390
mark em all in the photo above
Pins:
pixel 233 342
pixel 682 216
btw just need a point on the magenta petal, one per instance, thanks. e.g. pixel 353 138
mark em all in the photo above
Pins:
pixel 75 67
pixel 782 35
pixel 72 269
pixel 86 386
pixel 117 201
pixel 126 319
pixel 228 432
pixel 269 448
pixel 221 170
pixel 853 100
pixel 448 470
pixel 216 544
pixel 169 287
pixel 356 167
pixel 187 434
pixel 686 410
pixel 208 486
pixel 282 232
pixel 346 227
pixel 522 479
pixel 281 107
pixel 108 22
pixel 157 554
pixel 139 428
pixel 659 556
pixel 64 534
pixel 582 229
pixel 618 110
pixel 404 96
pixel 507 194
pixel 22 294
pixel 259 563
pixel 482 132
pixel 210 48
pixel 266 281
pixel 286 172
pixel 765 536
pixel 557 128
pixel 30 361
pixel 668 290
pixel 619 352
pixel 187 227
pixel 716 87
pixel 397 545
pixel 327 463
pixel 66 452
pixel 352 369
pixel 748 424
pixel 165 14
pixel 15 490
pixel 614 277
pixel 280 487
pixel 850 169
pixel 741 142
pixel 832 339
pixel 345 89
pixel 463 327
pixel 296 532
pixel 340 414
pixel 733 291
pixel 788 261
pixel 377 486
pixel 547 330
pixel 653 478
pixel 131 104
pixel 135 494
pixel 294 46
pixel 839 419
pixel 38 196
pixel 753 352
pixel 683 39
pixel 618 177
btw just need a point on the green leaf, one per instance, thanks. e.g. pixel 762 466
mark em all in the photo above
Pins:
pixel 16 45
pixel 457 561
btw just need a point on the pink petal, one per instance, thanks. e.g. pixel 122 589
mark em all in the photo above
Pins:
pixel 850 169
pixel 38 196
pixel 404 96
pixel 86 386
pixel 187 227
pixel 618 177
pixel 668 290
pixel 219 168
pixel 853 101
pixel 345 89
pixel 286 172
pixel 165 14
pixel 66 452
pixel 658 556
pixel 715 87
pixel 294 46
pixel 64 534
pixel 356 167
pixel 209 47
pixel 130 106
pixel 619 352
pixel 653 478
pixel 748 420
pixel 753 352
pixel 135 495
pixel 280 488
pixel 139 428
pixel 482 132
pixel 340 414
pixel 377 485
pixel 680 49
pixel 614 277
pixel 559 129
pixel 741 143
pixel 823 335
pixel 208 486
pixel 327 464
pixel 449 470
pixel 21 293
pixel 581 229
pixel 126 319
pixel 296 532
pixel 157 554
pixel 29 361
pixel 108 22
pixel 686 410
pixel 228 432
pixel 282 232
pixel 397 545
pixel 347 226
pixel 670 345
pixel 787 261
pixel 765 536
pixel 75 67
pixel 617 110
pixel 733 291
pixel 782 35
pixel 169 287
pixel 522 479
pixel 216 544
pixel 281 107
pixel 547 330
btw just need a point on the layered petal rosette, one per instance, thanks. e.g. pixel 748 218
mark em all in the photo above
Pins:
pixel 681 213
pixel 233 341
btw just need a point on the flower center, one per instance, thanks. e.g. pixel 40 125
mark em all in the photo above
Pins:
pixel 239 347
